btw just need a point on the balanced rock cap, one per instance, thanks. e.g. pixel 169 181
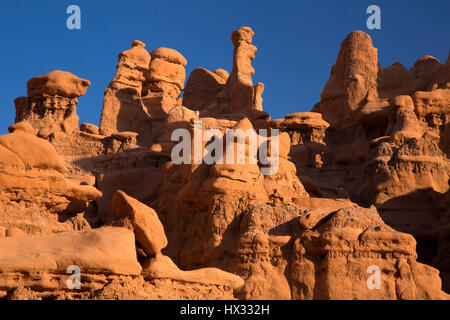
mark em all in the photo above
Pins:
pixel 170 55
pixel 138 43
pixel 222 73
pixel 135 58
pixel 242 34
pixel 57 83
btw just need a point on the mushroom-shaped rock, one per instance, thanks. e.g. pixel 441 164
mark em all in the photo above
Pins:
pixel 50 107
pixel 167 65
pixel 406 125
pixel 169 55
pixel 89 128
pixel 125 136
pixel 242 34
pixel 32 173
pixel 305 120
pixel 136 57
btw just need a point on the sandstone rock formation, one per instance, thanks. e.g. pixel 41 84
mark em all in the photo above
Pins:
pixel 51 103
pixel 202 88
pixel 352 79
pixel 387 143
pixel 307 134
pixel 355 239
pixel 239 91
pixel 150 236
pixel 357 186
pixel 144 221
pixel 30 177
pixel 33 187
pixel 230 96
pixel 122 106
pixel 104 250
pixel 163 86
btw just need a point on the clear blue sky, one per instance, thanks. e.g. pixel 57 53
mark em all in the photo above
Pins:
pixel 297 41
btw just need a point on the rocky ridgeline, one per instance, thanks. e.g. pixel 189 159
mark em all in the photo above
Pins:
pixel 363 181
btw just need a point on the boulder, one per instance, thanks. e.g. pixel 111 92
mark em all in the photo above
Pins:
pixel 89 128
pixel 162 267
pixel 105 250
pixel 147 227
pixel 30 149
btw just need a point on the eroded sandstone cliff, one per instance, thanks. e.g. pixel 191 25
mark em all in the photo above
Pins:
pixel 362 183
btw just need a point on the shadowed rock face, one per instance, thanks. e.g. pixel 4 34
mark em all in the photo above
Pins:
pixel 362 184
pixel 142 92
pixel 163 86
pixel 202 88
pixel 122 105
pixel 391 141
pixel 34 194
pixel 229 96
pixel 352 79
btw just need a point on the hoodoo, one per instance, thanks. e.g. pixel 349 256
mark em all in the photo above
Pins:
pixel 359 199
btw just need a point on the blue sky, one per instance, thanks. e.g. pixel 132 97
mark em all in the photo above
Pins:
pixel 298 41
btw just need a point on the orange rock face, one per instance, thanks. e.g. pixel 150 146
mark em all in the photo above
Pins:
pixel 122 105
pixel 51 103
pixel 357 208
pixel 392 141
